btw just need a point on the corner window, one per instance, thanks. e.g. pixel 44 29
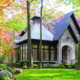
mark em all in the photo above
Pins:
pixel 34 50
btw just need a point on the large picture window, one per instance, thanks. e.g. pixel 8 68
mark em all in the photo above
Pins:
pixel 21 52
pixel 52 53
pixel 34 48
pixel 25 52
pixel 45 51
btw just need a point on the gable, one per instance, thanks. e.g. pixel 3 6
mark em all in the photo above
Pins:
pixel 66 37
pixel 73 27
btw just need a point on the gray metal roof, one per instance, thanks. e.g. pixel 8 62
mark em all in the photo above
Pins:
pixel 37 15
pixel 35 34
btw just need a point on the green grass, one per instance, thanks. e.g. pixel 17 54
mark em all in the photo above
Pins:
pixel 49 74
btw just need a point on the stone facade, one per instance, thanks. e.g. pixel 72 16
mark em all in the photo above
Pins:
pixel 74 27
pixel 66 40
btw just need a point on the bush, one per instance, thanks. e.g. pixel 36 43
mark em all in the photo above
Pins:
pixel 2 58
pixel 1 69
pixel 74 66
pixel 69 66
pixel 3 66
pixel 4 77
pixel 5 72
pixel 44 66
pixel 50 65
pixel 35 65
pixel 18 64
pixel 61 66
pixel 24 67
pixel 18 70
pixel 11 70
pixel 24 64
pixel 10 64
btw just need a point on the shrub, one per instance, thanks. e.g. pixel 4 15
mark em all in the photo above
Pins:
pixel 61 66
pixel 5 72
pixel 69 66
pixel 3 66
pixel 2 58
pixel 18 64
pixel 74 66
pixel 50 65
pixel 1 69
pixel 24 64
pixel 25 67
pixel 10 64
pixel 44 66
pixel 14 68
pixel 4 77
pixel 18 70
pixel 11 70
pixel 35 65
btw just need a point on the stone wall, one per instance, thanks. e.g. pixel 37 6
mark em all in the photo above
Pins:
pixel 66 40
pixel 74 27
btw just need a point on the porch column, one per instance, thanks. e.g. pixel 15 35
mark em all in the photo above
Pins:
pixel 69 51
pixel 59 53
pixel 73 55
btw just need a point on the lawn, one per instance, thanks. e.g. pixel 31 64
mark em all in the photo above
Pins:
pixel 49 74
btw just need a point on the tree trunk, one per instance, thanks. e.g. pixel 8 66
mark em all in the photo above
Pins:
pixel 40 54
pixel 29 36
pixel 78 66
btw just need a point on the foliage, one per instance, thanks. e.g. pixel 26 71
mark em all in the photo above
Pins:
pixel 4 77
pixel 74 65
pixel 24 67
pixel 24 64
pixel 1 69
pixel 7 73
pixel 61 66
pixel 10 64
pixel 2 58
pixel 75 5
pixel 11 70
pixel 50 65
pixel 35 65
pixel 3 66
pixel 69 66
pixel 18 64
pixel 44 66
pixel 18 70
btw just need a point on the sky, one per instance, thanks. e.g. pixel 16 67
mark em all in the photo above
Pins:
pixel 62 8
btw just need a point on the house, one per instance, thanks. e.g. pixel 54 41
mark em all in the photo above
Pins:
pixel 58 46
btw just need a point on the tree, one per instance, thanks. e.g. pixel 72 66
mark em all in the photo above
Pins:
pixel 40 54
pixel 29 36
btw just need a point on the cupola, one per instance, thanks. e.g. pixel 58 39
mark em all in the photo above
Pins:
pixel 36 18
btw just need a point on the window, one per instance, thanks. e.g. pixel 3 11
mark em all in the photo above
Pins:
pixel 25 52
pixel 46 55
pixel 34 48
pixel 67 38
pixel 45 51
pixel 52 53
pixel 21 52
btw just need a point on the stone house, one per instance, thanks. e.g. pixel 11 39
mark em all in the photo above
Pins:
pixel 58 42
